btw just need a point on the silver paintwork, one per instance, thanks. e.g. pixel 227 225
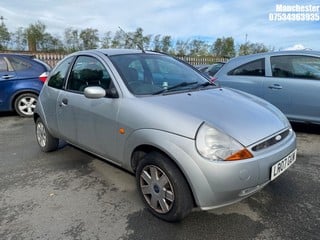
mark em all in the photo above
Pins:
pixel 297 98
pixel 170 123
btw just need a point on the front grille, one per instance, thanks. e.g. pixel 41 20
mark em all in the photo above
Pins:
pixel 271 141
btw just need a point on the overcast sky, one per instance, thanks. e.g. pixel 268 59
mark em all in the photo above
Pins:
pixel 181 19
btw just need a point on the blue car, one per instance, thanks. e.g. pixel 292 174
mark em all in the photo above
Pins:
pixel 290 80
pixel 21 79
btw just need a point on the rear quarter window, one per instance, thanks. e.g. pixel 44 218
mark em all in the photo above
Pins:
pixel 19 64
pixel 254 68
pixel 3 65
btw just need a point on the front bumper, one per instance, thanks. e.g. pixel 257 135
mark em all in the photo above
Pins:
pixel 219 183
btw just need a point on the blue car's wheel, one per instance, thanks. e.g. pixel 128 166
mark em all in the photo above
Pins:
pixel 25 104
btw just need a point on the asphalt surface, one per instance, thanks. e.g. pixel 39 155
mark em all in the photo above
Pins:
pixel 69 194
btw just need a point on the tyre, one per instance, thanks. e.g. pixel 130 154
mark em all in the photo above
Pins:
pixel 163 188
pixel 45 140
pixel 25 104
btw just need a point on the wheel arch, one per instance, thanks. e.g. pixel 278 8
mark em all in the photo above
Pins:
pixel 19 93
pixel 35 116
pixel 140 151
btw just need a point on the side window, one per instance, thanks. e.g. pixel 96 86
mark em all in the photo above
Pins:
pixel 3 65
pixel 296 67
pixel 59 74
pixel 88 71
pixel 254 68
pixel 19 64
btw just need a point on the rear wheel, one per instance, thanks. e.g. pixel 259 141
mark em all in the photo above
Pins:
pixel 25 104
pixel 163 187
pixel 45 140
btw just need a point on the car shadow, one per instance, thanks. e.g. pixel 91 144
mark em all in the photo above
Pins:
pixel 306 128
pixel 8 114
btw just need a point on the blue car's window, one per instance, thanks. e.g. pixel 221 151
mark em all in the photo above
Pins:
pixel 254 68
pixel 146 74
pixel 19 64
pixel 298 66
pixel 3 65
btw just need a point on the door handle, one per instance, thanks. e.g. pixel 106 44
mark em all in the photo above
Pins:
pixel 64 102
pixel 7 76
pixel 275 86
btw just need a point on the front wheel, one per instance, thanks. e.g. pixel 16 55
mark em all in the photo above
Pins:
pixel 25 104
pixel 163 187
pixel 45 140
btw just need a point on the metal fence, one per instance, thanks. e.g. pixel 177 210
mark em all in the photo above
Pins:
pixel 50 58
pixel 202 60
pixel 53 58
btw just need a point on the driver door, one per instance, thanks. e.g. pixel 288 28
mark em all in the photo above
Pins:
pixel 94 120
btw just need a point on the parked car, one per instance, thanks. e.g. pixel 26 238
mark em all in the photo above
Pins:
pixel 202 67
pixel 210 69
pixel 189 142
pixel 21 79
pixel 214 68
pixel 288 79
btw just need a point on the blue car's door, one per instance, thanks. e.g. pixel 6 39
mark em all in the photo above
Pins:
pixel 7 79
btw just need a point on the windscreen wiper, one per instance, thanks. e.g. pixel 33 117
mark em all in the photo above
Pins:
pixel 203 85
pixel 182 84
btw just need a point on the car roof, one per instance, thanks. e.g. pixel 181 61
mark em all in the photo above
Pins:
pixel 31 56
pixel 112 51
pixel 278 53
pixel 237 61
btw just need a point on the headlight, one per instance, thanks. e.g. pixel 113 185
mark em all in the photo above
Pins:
pixel 215 145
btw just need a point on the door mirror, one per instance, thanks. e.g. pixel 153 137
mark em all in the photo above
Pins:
pixel 94 92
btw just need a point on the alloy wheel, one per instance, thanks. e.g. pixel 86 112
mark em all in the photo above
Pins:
pixel 157 189
pixel 41 134
pixel 26 105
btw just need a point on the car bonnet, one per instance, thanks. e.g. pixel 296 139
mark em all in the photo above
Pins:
pixel 244 117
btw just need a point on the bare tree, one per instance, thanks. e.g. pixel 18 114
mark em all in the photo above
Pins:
pixel 72 40
pixel 35 35
pixel 251 48
pixel 107 40
pixel 224 47
pixel 166 43
pixel 4 36
pixel 19 40
pixel 198 48
pixel 90 38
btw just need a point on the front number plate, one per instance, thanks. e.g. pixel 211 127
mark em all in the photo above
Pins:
pixel 283 165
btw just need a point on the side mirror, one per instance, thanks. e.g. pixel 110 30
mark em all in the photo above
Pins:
pixel 94 92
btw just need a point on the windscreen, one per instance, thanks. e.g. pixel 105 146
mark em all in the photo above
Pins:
pixel 146 74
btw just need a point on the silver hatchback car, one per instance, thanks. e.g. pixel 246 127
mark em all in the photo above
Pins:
pixel 189 143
